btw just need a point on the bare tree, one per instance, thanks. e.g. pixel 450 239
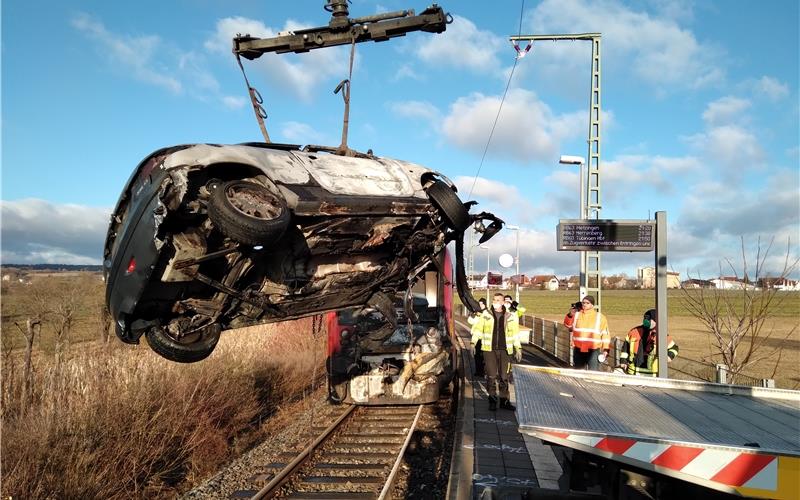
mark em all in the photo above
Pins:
pixel 8 375
pixel 32 327
pixel 736 320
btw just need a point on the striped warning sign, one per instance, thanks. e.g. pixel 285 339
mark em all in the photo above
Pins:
pixel 752 474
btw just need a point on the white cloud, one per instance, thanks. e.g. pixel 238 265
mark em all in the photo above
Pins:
pixel 234 102
pixel 726 110
pixel 501 193
pixel 505 200
pixel 537 253
pixel 302 75
pixel 676 165
pixel 714 209
pixel 678 10
pixel 138 55
pixel 621 176
pixel 526 130
pixel 565 178
pixel 406 71
pixel 152 60
pixel 731 147
pixel 771 88
pixel 37 231
pixel 463 46
pixel 656 49
pixel 416 109
pixel 303 133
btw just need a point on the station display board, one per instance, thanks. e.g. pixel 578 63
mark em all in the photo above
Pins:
pixel 606 235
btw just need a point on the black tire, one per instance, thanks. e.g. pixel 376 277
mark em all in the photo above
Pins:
pixel 248 212
pixel 196 348
pixel 454 213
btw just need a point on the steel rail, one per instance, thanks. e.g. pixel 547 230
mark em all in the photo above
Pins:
pixel 270 488
pixel 387 487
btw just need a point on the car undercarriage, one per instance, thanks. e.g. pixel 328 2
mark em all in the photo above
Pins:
pixel 230 245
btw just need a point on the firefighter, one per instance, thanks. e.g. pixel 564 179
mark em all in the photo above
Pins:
pixel 478 355
pixel 590 337
pixel 497 329
pixel 639 354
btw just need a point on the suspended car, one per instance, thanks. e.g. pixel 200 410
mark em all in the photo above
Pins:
pixel 207 237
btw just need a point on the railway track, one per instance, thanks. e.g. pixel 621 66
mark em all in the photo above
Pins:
pixel 357 456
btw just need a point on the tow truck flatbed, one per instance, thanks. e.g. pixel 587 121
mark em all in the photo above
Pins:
pixel 735 439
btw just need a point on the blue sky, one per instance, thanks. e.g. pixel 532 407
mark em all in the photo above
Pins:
pixel 700 113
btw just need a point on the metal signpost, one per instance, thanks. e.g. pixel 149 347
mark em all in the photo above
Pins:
pixel 661 291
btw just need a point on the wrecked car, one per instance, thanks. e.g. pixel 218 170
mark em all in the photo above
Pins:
pixel 209 237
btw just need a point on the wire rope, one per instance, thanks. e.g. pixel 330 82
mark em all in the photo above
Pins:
pixel 500 109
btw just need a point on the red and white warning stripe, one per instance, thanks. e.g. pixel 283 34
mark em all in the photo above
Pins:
pixel 727 467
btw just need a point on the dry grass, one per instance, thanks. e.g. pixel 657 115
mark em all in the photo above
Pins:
pixel 119 422
pixel 82 292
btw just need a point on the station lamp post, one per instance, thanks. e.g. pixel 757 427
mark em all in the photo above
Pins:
pixel 578 160
pixel 516 260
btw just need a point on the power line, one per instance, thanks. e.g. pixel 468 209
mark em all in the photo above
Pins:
pixel 502 100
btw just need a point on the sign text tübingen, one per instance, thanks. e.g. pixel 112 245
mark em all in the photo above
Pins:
pixel 603 235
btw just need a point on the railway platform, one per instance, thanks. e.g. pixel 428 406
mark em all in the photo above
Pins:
pixel 492 459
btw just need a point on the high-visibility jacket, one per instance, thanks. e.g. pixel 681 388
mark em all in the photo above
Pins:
pixel 649 365
pixel 483 329
pixel 520 311
pixel 473 321
pixel 590 331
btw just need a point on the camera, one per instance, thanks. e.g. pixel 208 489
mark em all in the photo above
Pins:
pixel 577 306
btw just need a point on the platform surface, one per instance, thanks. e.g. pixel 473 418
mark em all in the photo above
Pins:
pixel 506 462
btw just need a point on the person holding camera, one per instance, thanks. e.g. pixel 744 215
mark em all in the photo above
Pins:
pixel 639 354
pixel 569 319
pixel 590 338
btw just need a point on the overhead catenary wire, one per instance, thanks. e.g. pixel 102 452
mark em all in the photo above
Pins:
pixel 500 108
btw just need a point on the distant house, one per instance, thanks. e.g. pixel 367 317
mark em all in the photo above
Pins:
pixel 545 282
pixel 619 282
pixel 571 283
pixel 520 279
pixel 646 278
pixel 782 284
pixel 732 283
pixel 697 283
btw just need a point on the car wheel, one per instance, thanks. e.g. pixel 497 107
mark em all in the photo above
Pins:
pixel 248 212
pixel 454 213
pixel 190 349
